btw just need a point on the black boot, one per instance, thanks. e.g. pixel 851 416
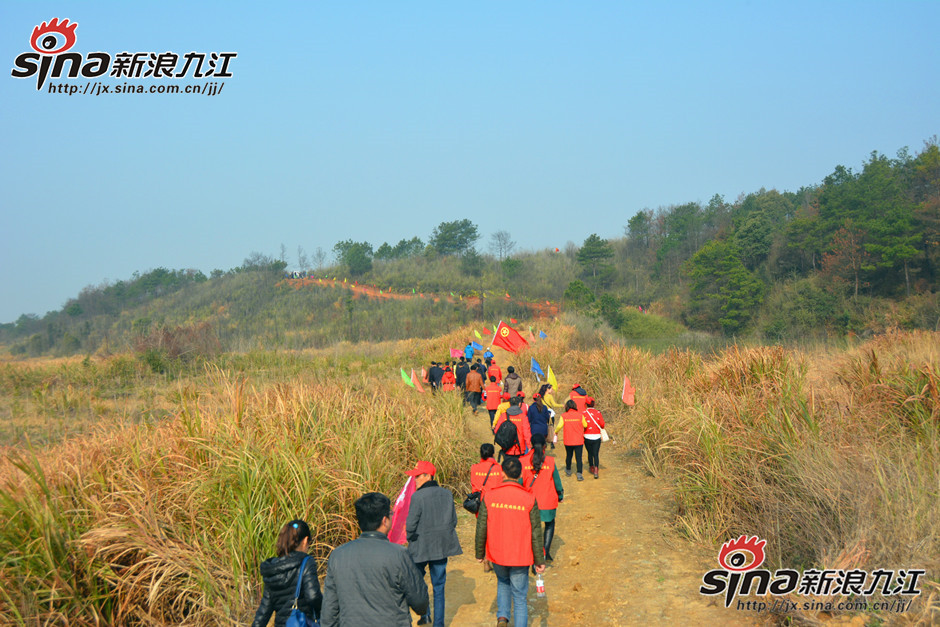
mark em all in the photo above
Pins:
pixel 547 538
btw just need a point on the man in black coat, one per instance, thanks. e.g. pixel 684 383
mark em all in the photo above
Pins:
pixel 371 581
pixel 431 530
pixel 461 372
pixel 435 374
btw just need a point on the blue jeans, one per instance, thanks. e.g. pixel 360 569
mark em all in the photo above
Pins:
pixel 438 570
pixel 512 586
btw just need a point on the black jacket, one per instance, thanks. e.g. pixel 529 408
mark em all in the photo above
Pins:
pixel 280 583
pixel 461 374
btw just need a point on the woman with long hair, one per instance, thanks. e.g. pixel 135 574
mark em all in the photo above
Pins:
pixel 280 577
pixel 572 423
pixel 540 475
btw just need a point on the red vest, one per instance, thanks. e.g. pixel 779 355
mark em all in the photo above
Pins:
pixel 492 392
pixel 494 371
pixel 448 381
pixel 573 430
pixel 543 486
pixel 522 430
pixel 579 399
pixel 478 475
pixel 508 527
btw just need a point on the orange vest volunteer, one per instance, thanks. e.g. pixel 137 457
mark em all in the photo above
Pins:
pixel 573 429
pixel 543 486
pixel 508 526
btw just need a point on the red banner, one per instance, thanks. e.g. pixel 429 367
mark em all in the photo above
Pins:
pixel 508 338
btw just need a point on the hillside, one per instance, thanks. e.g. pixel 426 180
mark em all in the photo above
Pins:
pixel 855 255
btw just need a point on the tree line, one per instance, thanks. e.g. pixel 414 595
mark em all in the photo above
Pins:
pixel 855 253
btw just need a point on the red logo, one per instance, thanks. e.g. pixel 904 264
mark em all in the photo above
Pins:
pixel 54 37
pixel 742 554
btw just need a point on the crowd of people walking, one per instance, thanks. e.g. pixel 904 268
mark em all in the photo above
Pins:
pixel 372 581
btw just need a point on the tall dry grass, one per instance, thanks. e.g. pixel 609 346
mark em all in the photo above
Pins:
pixel 833 457
pixel 166 522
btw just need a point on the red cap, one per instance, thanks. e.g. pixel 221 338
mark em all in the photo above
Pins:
pixel 536 396
pixel 520 393
pixel 505 396
pixel 422 468
pixel 589 400
pixel 575 386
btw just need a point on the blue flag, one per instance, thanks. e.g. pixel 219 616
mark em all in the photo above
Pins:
pixel 542 335
pixel 476 347
pixel 536 368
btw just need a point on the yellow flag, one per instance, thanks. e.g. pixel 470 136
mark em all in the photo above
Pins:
pixel 477 333
pixel 551 378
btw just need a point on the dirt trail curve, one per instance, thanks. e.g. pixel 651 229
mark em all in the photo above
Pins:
pixel 617 559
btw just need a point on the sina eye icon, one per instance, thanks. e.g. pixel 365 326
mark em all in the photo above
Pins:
pixel 54 37
pixel 742 554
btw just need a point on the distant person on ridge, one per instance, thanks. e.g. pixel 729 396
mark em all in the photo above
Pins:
pixel 434 375
pixel 468 351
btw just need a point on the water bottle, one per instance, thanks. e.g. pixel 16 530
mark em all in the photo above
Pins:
pixel 539 586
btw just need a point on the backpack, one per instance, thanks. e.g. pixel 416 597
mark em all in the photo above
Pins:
pixel 507 436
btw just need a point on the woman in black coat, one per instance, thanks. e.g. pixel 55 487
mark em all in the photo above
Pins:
pixel 280 578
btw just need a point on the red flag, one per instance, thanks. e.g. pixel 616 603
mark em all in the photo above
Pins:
pixel 508 338
pixel 629 392
pixel 400 512
pixel 514 321
pixel 424 375
pixel 414 379
pixel 486 331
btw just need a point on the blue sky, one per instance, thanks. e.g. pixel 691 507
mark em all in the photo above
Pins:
pixel 376 121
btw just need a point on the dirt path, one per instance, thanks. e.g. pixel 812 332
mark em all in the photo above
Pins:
pixel 617 559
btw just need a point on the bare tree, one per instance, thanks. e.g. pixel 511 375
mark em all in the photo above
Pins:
pixel 501 244
pixel 283 256
pixel 319 257
pixel 303 263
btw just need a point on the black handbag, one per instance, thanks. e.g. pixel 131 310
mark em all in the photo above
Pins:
pixel 472 502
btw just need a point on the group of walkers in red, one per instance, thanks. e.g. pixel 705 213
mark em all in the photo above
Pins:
pixel 373 581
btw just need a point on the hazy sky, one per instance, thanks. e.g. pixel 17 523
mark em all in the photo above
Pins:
pixel 376 121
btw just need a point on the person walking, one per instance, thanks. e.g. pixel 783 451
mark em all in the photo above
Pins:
pixel 431 529
pixel 486 473
pixel 540 474
pixel 468 351
pixel 579 396
pixel 514 415
pixel 461 372
pixel 592 436
pixel 280 578
pixel 508 535
pixel 474 388
pixel 512 384
pixel 448 380
pixel 540 416
pixel 369 580
pixel 494 371
pixel 492 393
pixel 572 424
